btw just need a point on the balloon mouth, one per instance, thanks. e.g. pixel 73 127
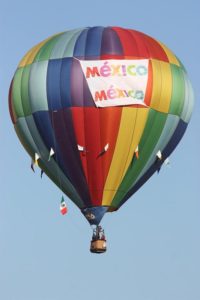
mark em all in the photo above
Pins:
pixel 94 214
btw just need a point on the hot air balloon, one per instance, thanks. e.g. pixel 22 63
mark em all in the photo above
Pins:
pixel 100 109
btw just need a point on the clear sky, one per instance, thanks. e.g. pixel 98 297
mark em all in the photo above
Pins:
pixel 154 240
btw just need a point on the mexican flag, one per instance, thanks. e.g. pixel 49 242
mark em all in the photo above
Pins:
pixel 137 152
pixel 63 207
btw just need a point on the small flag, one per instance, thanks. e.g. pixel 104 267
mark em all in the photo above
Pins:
pixel 105 149
pixel 81 148
pixel 41 173
pixel 63 207
pixel 167 161
pixel 159 160
pixel 137 152
pixel 32 166
pixel 36 159
pixel 158 169
pixel 159 155
pixel 51 153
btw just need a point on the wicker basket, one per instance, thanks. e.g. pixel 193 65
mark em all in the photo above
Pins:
pixel 98 246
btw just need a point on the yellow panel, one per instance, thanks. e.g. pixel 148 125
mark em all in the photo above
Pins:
pixel 172 58
pixel 162 86
pixel 30 55
pixel 156 88
pixel 131 127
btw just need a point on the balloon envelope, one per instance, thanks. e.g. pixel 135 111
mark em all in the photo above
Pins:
pixel 105 100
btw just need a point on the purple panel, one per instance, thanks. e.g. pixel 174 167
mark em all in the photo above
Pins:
pixel 80 93
pixel 44 125
pixel 111 43
pixel 65 137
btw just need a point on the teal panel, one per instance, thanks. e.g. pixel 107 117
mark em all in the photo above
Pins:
pixel 189 101
pixel 65 44
pixel 69 50
pixel 45 51
pixel 182 66
pixel 25 90
pixel 16 94
pixel 178 91
pixel 25 137
pixel 37 86
pixel 168 130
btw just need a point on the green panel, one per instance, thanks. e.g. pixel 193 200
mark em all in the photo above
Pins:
pixel 182 66
pixel 152 132
pixel 11 105
pixel 25 90
pixel 16 93
pixel 25 137
pixel 69 51
pixel 37 86
pixel 168 130
pixel 65 44
pixel 189 101
pixel 178 91
pixel 45 51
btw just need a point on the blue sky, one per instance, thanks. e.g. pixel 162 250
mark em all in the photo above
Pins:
pixel 154 240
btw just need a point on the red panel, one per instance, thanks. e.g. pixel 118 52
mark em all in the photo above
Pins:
pixel 154 48
pixel 110 121
pixel 139 45
pixel 87 128
pixel 94 147
pixel 12 113
pixel 140 42
pixel 127 41
pixel 94 128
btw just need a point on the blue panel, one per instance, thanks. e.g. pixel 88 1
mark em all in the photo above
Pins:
pixel 66 85
pixel 53 84
pixel 175 139
pixel 93 45
pixel 94 214
pixel 65 82
pixel 44 125
pixel 80 46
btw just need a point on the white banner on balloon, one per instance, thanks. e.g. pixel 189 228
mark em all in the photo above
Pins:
pixel 116 82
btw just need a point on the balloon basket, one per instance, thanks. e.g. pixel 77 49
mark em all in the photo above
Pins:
pixel 98 246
